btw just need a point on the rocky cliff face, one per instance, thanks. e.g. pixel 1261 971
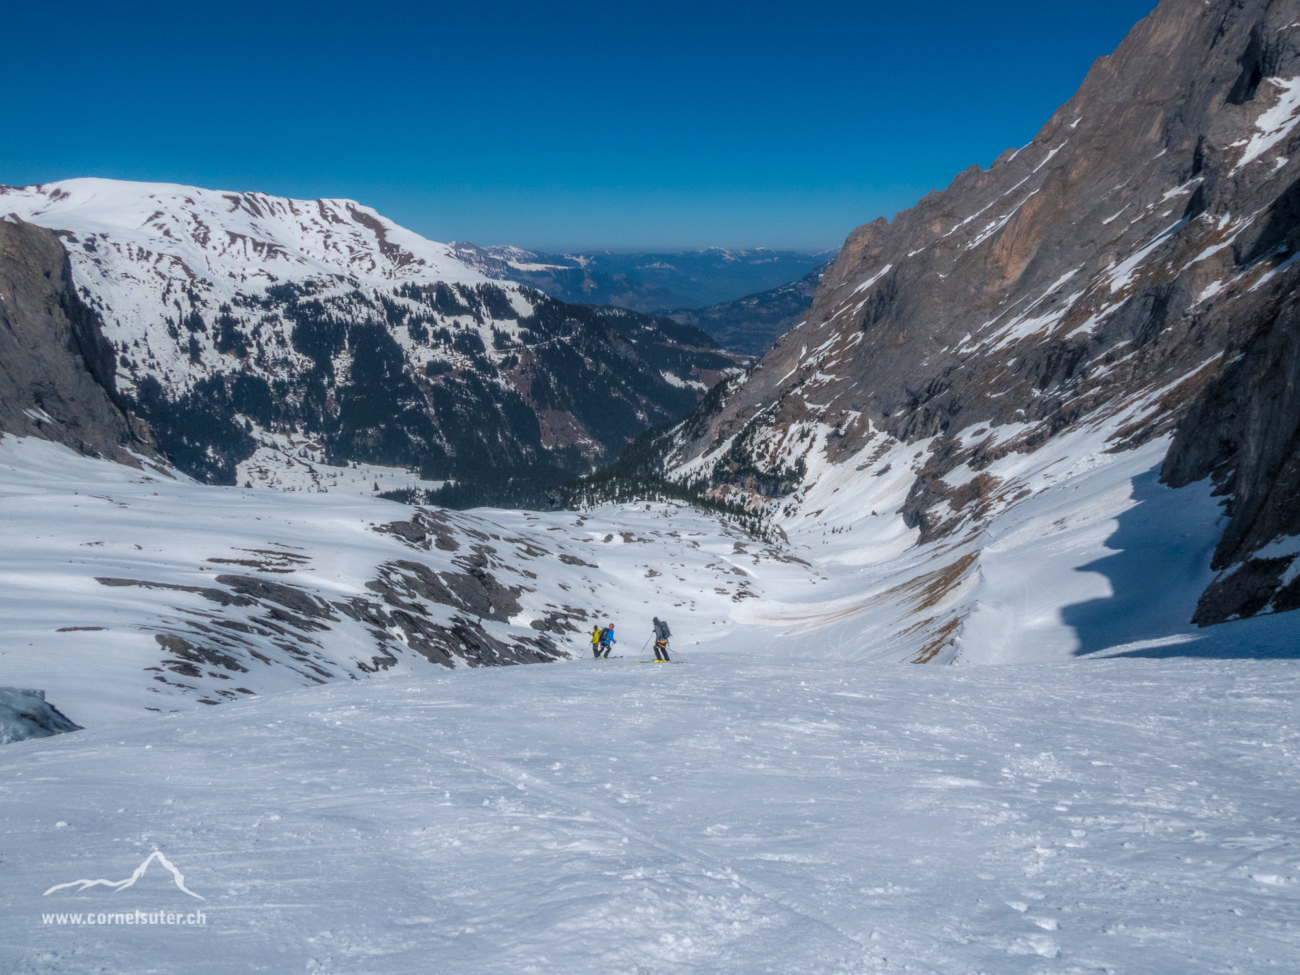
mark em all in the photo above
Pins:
pixel 267 340
pixel 1128 271
pixel 56 367
pixel 1244 430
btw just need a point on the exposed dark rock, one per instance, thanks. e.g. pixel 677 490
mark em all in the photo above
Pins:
pixel 420 529
pixel 1246 591
pixel 26 714
pixel 290 619
pixel 562 620
pixel 290 597
pixel 56 368
pixel 475 591
pixel 365 611
pixel 1244 430
pixel 195 654
pixel 215 595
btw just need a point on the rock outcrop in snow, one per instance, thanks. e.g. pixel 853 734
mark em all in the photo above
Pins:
pixel 1129 270
pixel 26 714
pixel 258 335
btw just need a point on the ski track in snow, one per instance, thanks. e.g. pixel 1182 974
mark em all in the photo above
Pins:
pixel 744 813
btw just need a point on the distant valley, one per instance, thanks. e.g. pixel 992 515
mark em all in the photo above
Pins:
pixel 743 299
pixel 752 324
pixel 645 282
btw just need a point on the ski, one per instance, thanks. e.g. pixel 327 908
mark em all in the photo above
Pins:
pixel 657 661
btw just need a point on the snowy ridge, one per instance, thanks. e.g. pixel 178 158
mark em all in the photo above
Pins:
pixel 146 255
pixel 228 236
pixel 140 250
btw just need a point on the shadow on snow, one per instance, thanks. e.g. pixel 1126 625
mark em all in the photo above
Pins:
pixel 1163 545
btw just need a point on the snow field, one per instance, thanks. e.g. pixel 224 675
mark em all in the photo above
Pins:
pixel 1076 550
pixel 743 813
pixel 69 521
pixel 293 462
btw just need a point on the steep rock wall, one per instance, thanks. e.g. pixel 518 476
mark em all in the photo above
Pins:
pixel 1109 271
pixel 56 367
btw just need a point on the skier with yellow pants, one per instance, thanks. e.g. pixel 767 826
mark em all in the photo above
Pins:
pixel 662 633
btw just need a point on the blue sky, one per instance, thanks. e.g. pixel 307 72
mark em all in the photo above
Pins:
pixel 561 125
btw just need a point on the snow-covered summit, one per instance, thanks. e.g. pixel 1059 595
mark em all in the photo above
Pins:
pixel 135 244
pixel 236 236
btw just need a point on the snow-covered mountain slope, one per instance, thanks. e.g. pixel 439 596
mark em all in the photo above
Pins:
pixel 739 813
pixel 239 317
pixel 1130 270
pixel 124 591
pixel 784 798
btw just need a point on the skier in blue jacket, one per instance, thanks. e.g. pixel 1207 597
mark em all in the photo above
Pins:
pixel 607 640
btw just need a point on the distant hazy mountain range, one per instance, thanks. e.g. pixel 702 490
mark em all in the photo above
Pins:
pixel 644 282
pixel 753 323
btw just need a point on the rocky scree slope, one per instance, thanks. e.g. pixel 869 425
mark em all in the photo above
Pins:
pixel 321 333
pixel 56 367
pixel 1131 271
